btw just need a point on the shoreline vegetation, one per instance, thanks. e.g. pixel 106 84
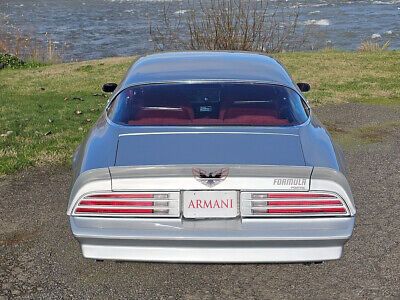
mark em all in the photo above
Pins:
pixel 47 110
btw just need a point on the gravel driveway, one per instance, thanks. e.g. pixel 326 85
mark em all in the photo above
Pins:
pixel 40 259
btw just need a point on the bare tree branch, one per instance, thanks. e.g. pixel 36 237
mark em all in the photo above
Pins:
pixel 247 25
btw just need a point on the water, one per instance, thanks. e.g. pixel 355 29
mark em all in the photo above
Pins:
pixel 103 28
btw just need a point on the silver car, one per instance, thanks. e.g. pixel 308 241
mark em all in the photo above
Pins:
pixel 209 157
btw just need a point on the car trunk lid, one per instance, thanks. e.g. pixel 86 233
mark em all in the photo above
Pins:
pixel 206 147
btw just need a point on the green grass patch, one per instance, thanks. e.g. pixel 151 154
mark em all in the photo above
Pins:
pixel 361 136
pixel 376 133
pixel 37 105
pixel 37 110
pixel 340 76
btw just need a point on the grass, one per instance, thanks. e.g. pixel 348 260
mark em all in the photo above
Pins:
pixel 377 132
pixel 46 129
pixel 363 135
pixel 338 76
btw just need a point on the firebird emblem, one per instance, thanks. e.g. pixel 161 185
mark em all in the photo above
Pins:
pixel 212 178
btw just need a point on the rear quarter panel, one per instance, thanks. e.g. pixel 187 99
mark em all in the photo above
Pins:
pixel 318 147
pixel 97 150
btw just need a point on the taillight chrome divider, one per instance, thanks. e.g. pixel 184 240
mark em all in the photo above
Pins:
pixel 278 204
pixel 128 204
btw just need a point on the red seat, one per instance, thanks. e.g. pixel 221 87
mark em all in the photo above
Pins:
pixel 152 110
pixel 234 112
pixel 163 116
pixel 252 116
pixel 207 121
pixel 256 120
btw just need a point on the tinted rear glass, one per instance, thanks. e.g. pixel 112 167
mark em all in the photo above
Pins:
pixel 208 104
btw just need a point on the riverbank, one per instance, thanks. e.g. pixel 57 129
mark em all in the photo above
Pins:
pixel 46 111
pixel 94 29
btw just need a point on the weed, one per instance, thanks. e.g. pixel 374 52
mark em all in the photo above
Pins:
pixel 369 46
pixel 15 43
pixel 86 68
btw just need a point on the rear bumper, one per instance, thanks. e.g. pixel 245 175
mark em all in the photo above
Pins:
pixel 213 241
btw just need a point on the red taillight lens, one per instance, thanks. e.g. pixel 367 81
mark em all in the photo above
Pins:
pixel 300 195
pixel 129 204
pixel 116 203
pixel 124 196
pixel 114 210
pixel 306 210
pixel 291 204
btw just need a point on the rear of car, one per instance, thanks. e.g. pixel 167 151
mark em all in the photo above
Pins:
pixel 256 214
pixel 211 172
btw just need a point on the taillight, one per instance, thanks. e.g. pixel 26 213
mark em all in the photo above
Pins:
pixel 129 204
pixel 291 204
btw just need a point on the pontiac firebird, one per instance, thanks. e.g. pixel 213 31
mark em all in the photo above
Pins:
pixel 209 157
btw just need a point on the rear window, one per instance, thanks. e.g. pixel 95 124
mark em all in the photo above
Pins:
pixel 208 104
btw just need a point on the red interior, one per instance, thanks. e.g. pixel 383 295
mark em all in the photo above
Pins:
pixel 182 115
pixel 247 114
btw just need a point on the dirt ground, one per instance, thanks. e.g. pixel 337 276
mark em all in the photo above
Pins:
pixel 39 258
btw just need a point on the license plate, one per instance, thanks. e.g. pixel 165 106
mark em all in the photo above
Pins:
pixel 210 204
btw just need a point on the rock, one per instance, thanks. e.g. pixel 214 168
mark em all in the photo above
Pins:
pixel 16 270
pixel 22 277
pixel 7 133
pixel 2 66
pixel 6 286
pixel 78 112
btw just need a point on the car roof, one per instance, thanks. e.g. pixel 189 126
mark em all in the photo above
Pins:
pixel 206 66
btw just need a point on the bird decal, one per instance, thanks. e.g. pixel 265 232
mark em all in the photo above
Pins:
pixel 210 179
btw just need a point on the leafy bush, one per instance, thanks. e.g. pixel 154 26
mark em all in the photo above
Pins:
pixel 14 62
pixel 8 60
